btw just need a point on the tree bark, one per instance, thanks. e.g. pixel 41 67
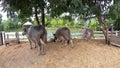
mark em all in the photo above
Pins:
pixel 43 17
pixel 104 27
pixel 36 16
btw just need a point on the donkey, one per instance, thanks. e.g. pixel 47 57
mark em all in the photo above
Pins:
pixel 38 35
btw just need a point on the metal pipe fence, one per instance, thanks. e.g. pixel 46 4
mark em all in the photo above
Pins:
pixel 75 34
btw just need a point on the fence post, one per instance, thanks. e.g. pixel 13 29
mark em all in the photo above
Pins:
pixel 116 33
pixel 3 37
pixel 1 42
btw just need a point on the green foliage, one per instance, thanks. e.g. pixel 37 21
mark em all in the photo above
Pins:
pixel 9 25
pixel 0 18
pixel 117 24
pixel 82 8
pixel 60 22
pixel 53 22
pixel 114 14
pixel 93 24
pixel 110 21
pixel 115 11
pixel 24 8
pixel 6 24
pixel 1 27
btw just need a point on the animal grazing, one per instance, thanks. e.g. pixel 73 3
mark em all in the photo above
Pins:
pixel 63 34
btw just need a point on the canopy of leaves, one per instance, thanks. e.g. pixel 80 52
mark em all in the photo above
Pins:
pixel 23 8
pixel 0 18
pixel 115 10
pixel 83 8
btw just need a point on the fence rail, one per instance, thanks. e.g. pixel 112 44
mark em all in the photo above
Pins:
pixel 75 34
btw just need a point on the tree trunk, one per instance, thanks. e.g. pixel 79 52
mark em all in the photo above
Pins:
pixel 104 27
pixel 36 16
pixel 43 17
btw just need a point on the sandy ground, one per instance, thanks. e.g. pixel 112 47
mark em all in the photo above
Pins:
pixel 91 54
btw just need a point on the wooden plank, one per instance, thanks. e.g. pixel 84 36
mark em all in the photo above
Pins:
pixel 115 44
pixel 115 40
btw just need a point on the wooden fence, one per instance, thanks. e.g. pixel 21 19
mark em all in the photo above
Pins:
pixel 75 34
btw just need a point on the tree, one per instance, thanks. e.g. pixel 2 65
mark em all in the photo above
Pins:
pixel 114 14
pixel 1 25
pixel 25 8
pixel 83 8
pixel 0 18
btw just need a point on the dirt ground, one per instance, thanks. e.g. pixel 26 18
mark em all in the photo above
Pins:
pixel 91 54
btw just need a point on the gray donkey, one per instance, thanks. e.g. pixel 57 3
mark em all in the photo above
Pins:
pixel 63 34
pixel 87 33
pixel 38 35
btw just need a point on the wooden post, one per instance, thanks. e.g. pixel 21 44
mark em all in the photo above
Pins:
pixel 112 29
pixel 1 42
pixel 3 38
